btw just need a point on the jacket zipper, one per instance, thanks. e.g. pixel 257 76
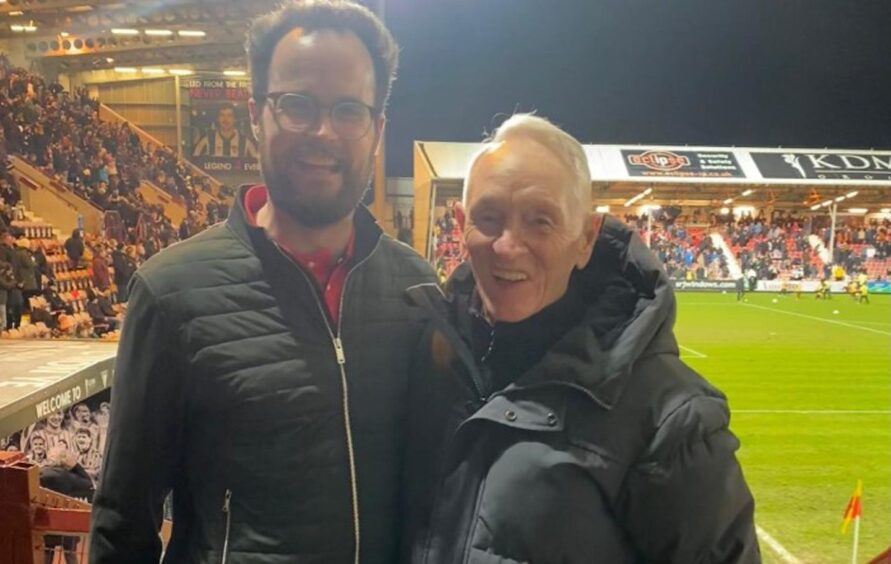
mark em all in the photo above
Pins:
pixel 340 355
pixel 227 511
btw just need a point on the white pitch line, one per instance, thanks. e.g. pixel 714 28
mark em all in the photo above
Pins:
pixel 784 554
pixel 816 411
pixel 842 323
pixel 691 351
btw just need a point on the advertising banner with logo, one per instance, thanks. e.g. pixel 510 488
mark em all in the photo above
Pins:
pixel 705 285
pixel 221 139
pixel 817 165
pixel 879 287
pixel 806 286
pixel 693 164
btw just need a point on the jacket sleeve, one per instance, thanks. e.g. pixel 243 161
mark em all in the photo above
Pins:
pixel 686 501
pixel 144 436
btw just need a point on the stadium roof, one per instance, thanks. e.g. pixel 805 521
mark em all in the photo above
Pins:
pixel 78 35
pixel 710 176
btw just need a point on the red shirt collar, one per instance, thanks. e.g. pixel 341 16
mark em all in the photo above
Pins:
pixel 317 262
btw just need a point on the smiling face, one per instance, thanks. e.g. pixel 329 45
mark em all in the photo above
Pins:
pixel 83 441
pixel 38 446
pixel 82 413
pixel 525 232
pixel 54 419
pixel 315 176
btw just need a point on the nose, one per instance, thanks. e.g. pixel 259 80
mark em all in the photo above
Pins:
pixel 508 245
pixel 324 128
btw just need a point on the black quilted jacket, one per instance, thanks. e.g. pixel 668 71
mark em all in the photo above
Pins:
pixel 279 436
pixel 610 450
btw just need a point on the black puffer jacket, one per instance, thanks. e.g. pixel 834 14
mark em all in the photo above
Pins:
pixel 234 392
pixel 608 450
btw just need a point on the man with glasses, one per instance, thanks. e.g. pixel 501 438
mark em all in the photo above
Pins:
pixel 262 371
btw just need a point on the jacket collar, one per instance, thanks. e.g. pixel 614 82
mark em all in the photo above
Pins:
pixel 368 233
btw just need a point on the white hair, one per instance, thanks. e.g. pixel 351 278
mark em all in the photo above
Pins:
pixel 561 144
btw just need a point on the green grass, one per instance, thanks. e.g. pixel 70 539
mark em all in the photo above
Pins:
pixel 797 355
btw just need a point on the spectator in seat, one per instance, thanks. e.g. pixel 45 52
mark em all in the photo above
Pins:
pixel 101 279
pixel 124 267
pixel 102 323
pixel 74 248
pixel 27 269
pixel 14 300
pixel 7 284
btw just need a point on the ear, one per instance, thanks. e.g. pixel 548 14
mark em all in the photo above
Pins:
pixel 254 112
pixel 589 237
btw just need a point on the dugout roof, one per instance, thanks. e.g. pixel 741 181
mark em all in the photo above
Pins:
pixel 37 377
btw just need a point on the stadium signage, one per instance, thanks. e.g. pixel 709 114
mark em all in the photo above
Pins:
pixel 59 401
pixel 823 165
pixel 704 285
pixel 702 164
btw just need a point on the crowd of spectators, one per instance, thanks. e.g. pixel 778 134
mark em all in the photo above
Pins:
pixel 688 254
pixel 768 250
pixel 448 243
pixel 105 162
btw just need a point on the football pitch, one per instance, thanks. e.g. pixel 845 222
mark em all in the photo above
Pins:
pixel 810 399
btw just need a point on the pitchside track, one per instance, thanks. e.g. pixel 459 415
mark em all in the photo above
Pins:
pixel 810 392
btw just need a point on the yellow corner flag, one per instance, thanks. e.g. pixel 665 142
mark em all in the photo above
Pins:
pixel 853 510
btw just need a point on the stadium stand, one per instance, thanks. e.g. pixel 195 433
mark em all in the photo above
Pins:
pixel 105 162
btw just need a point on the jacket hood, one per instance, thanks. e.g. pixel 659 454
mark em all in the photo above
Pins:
pixel 630 314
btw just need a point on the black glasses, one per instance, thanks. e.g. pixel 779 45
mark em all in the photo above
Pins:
pixel 350 119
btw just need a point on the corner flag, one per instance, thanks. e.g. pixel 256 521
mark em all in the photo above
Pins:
pixel 853 511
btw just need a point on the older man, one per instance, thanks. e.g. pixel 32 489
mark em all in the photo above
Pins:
pixel 575 433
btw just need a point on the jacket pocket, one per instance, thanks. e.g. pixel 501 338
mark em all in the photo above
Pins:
pixel 227 516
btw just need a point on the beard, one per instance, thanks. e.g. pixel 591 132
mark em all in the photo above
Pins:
pixel 315 212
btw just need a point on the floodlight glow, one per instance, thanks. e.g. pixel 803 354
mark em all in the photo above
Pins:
pixel 643 194
pixel 234 73
pixel 747 193
pixel 602 209
pixel 857 210
pixel 125 31
pixel 159 32
pixel 191 33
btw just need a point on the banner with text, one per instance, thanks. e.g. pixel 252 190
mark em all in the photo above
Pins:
pixel 693 164
pixel 221 139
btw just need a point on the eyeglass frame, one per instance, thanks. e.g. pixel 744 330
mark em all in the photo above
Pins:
pixel 274 97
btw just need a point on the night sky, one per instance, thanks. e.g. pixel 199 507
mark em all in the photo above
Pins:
pixel 810 73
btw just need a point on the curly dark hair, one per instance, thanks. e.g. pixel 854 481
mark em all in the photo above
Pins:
pixel 312 15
